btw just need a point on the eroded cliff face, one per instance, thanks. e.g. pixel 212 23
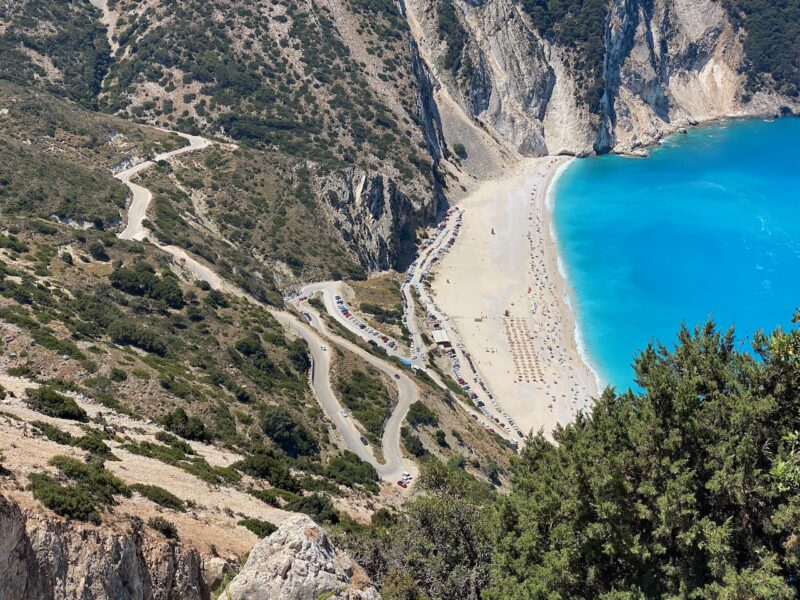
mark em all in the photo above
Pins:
pixel 375 217
pixel 667 64
pixel 44 558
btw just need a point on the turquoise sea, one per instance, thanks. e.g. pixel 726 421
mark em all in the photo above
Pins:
pixel 708 226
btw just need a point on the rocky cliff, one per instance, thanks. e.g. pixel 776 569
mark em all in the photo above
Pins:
pixel 663 65
pixel 43 558
pixel 46 558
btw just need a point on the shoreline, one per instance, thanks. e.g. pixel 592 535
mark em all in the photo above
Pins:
pixel 501 287
pixel 570 298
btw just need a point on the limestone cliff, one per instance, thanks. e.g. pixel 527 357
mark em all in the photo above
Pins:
pixel 46 558
pixel 374 216
pixel 43 558
pixel 667 64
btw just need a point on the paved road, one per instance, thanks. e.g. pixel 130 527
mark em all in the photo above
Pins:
pixel 394 462
pixel 137 211
pixel 408 393
pixel 329 291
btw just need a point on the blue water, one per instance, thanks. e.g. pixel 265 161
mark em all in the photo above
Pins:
pixel 708 226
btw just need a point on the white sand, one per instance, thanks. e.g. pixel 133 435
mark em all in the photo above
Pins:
pixel 507 298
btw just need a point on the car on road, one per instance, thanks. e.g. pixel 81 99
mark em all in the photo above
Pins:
pixel 364 441
pixel 323 348
pixel 344 413
pixel 397 375
pixel 402 484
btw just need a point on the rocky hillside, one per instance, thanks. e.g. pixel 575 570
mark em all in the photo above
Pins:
pixel 374 112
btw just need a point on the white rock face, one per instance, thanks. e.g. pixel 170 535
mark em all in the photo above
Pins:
pixel 52 559
pixel 298 562
pixel 668 64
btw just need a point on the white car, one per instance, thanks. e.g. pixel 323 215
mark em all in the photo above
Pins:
pixel 344 413
pixel 323 348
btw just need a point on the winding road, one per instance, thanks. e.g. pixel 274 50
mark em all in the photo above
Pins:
pixel 394 463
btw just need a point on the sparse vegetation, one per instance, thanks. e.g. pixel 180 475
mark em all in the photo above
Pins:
pixel 164 527
pixel 160 496
pixel 48 401
pixel 261 528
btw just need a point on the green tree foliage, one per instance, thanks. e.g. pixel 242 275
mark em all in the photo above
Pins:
pixel 440 549
pixel 687 489
pixel 141 280
pixel 578 25
pixel 288 434
pixel 772 42
pixel 48 401
pixel 190 428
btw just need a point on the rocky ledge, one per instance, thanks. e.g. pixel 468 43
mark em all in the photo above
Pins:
pixel 45 557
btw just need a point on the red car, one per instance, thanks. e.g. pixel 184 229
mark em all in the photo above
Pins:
pixel 402 484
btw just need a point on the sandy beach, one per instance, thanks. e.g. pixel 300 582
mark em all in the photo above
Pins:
pixel 504 294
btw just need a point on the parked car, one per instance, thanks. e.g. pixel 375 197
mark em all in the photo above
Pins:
pixel 364 441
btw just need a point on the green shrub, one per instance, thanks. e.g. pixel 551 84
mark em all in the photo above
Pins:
pixel 317 506
pixel 288 434
pixel 128 333
pixel 72 502
pixel 164 527
pixel 98 251
pixel 441 439
pixel 190 428
pixel 369 401
pixel 412 442
pixel 349 470
pixel 53 433
pixel 420 414
pixel 101 485
pixel 175 442
pixel 261 528
pixel 160 496
pixel 141 280
pixel 268 466
pixel 48 401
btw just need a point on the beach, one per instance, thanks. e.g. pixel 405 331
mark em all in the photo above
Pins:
pixel 508 301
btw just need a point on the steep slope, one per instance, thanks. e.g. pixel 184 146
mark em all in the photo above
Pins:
pixel 594 76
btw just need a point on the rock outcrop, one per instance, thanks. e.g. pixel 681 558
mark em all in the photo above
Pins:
pixel 376 219
pixel 47 558
pixel 298 562
pixel 44 558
